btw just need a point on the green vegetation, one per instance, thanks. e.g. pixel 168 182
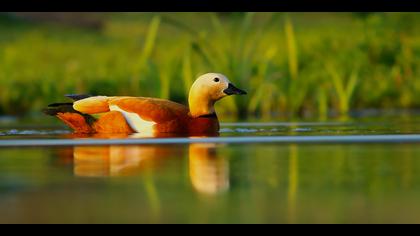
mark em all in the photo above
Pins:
pixel 298 64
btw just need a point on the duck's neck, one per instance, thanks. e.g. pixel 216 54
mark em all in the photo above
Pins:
pixel 200 105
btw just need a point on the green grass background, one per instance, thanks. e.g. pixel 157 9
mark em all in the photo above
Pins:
pixel 292 64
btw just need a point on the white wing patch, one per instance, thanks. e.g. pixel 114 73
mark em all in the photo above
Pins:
pixel 135 121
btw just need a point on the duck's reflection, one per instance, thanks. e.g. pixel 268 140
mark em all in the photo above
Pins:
pixel 118 160
pixel 208 170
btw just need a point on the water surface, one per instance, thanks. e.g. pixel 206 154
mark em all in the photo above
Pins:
pixel 216 182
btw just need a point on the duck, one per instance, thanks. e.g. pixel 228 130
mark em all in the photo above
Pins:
pixel 89 114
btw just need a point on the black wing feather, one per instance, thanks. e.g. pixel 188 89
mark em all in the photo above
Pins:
pixel 77 97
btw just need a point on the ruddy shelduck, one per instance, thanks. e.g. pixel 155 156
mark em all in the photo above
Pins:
pixel 149 116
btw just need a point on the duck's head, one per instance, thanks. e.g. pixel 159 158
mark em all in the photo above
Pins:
pixel 208 89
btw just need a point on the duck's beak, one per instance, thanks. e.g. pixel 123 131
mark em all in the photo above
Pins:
pixel 231 89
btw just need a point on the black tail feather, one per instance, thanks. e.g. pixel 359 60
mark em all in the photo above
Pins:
pixel 55 108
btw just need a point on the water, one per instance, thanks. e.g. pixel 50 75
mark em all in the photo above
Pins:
pixel 216 182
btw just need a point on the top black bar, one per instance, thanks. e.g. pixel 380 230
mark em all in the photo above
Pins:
pixel 211 5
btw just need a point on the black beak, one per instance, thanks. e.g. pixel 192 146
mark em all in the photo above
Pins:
pixel 233 90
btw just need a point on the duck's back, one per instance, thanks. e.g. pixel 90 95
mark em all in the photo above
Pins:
pixel 146 115
pixel 150 109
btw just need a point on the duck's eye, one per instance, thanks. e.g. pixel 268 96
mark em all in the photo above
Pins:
pixel 216 80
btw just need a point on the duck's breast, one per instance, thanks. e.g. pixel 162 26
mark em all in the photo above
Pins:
pixel 203 126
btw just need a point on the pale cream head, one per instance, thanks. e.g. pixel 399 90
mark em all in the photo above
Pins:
pixel 208 89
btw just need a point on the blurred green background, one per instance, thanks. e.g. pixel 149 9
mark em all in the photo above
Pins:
pixel 293 65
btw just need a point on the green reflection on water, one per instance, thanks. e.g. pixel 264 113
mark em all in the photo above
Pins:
pixel 211 183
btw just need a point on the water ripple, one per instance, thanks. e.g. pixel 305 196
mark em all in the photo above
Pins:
pixel 33 132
